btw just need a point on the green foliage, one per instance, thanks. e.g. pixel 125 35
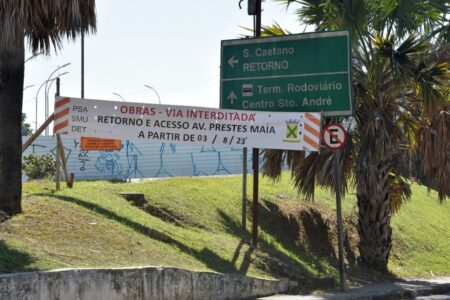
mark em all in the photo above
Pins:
pixel 38 166
pixel 400 77
pixel 26 128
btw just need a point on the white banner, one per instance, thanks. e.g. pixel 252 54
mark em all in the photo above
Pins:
pixel 187 125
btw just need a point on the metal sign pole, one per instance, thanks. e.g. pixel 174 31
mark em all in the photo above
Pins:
pixel 58 146
pixel 244 190
pixel 257 30
pixel 334 137
pixel 337 182
pixel 255 196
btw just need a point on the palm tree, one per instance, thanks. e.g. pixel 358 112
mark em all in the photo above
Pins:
pixel 43 23
pixel 401 86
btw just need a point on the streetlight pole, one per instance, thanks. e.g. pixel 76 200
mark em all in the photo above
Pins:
pixel 28 86
pixel 120 96
pixel 33 56
pixel 51 81
pixel 46 95
pixel 153 89
pixel 37 95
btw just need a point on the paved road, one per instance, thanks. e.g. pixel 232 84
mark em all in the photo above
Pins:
pixel 438 288
pixel 435 297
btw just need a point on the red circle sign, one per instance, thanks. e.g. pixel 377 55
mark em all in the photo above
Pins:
pixel 334 136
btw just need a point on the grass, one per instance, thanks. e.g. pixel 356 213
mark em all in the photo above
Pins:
pixel 91 225
pixel 421 236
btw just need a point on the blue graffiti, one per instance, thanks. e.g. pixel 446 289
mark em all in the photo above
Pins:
pixel 109 162
pixel 195 171
pixel 67 152
pixel 208 149
pixel 162 168
pixel 132 154
pixel 83 158
pixel 139 159
pixel 220 166
pixel 34 146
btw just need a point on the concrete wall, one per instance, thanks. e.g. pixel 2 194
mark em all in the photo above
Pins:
pixel 134 283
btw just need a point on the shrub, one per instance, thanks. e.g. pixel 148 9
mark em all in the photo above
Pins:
pixel 39 166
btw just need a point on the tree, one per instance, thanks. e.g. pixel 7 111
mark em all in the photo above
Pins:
pixel 43 24
pixel 401 85
pixel 25 127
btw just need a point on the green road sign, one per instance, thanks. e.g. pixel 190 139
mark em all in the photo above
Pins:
pixel 302 72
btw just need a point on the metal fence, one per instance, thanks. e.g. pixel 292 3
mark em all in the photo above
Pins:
pixel 140 159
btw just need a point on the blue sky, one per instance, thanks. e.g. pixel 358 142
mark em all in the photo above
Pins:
pixel 173 46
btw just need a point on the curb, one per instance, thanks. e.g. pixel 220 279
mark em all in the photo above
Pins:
pixel 435 289
pixel 149 282
pixel 382 291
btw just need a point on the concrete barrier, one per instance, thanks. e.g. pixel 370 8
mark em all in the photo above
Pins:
pixel 135 283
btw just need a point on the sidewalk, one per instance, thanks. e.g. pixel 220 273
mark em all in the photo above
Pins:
pixel 407 289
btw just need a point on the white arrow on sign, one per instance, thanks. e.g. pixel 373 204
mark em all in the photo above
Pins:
pixel 231 97
pixel 232 61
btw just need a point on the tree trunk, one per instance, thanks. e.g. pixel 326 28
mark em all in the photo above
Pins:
pixel 375 233
pixel 11 91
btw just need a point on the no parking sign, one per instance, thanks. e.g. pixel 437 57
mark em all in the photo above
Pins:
pixel 334 136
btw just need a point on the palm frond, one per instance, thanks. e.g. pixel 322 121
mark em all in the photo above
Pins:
pixel 384 46
pixel 311 12
pixel 380 134
pixel 410 16
pixel 268 30
pixel 325 177
pixel 304 174
pixel 277 160
pixel 432 84
pixel 399 192
pixel 274 161
pixel 434 152
pixel 318 169
pixel 354 15
pixel 309 170
pixel 45 22
pixel 273 30
pixel 408 123
pixel 287 3
pixel 402 57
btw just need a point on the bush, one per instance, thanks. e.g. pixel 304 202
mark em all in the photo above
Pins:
pixel 39 166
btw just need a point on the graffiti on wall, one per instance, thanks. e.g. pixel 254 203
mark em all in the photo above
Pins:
pixel 138 159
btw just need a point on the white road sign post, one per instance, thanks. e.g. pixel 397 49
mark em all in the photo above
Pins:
pixel 187 125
